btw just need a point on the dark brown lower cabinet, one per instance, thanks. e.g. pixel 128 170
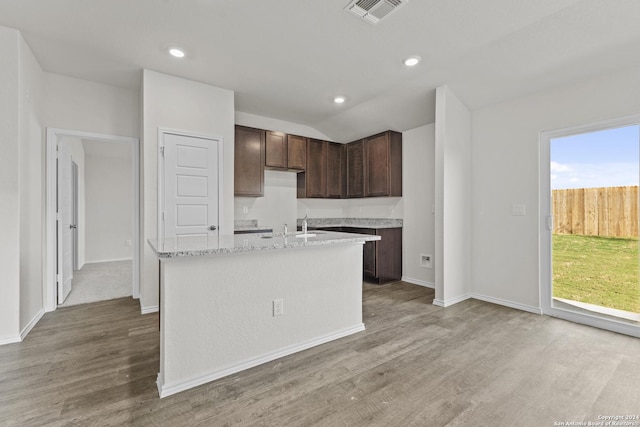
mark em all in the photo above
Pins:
pixel 381 259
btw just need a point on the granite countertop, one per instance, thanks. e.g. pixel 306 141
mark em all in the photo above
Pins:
pixel 230 244
pixel 255 229
pixel 353 222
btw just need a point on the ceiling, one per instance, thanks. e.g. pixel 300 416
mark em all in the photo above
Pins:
pixel 287 59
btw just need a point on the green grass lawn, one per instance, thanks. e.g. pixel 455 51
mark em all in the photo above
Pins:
pixel 597 270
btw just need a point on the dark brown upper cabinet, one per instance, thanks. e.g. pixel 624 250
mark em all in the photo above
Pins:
pixel 355 169
pixel 249 160
pixel 383 165
pixel 275 150
pixel 336 170
pixel 316 172
pixel 285 152
pixel 296 152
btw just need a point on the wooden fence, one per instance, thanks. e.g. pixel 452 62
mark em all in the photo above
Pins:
pixel 605 211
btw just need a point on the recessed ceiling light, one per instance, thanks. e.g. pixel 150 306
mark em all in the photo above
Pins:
pixel 175 52
pixel 339 99
pixel 412 61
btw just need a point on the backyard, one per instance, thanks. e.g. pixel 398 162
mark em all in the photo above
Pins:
pixel 597 270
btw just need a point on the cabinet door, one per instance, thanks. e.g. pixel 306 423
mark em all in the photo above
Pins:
pixel 383 165
pixel 389 255
pixel 369 259
pixel 336 168
pixel 377 166
pixel 316 173
pixel 276 150
pixel 249 159
pixel 355 169
pixel 296 152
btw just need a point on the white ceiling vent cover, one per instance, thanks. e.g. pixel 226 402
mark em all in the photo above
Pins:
pixel 372 11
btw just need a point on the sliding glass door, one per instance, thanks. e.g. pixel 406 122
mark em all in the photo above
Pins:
pixel 589 228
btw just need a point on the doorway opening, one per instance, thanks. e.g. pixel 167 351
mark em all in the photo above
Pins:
pixel 589 201
pixel 92 217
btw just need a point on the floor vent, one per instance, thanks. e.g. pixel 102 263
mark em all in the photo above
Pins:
pixel 373 11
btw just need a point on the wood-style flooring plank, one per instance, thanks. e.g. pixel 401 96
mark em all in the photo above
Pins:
pixel 416 364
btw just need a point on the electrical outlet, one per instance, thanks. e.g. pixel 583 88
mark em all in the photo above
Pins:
pixel 278 307
pixel 127 243
pixel 245 210
pixel 426 261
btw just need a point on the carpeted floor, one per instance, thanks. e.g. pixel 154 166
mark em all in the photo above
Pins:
pixel 99 282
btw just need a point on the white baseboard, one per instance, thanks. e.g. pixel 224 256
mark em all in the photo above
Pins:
pixel 168 389
pixel 31 324
pixel 150 309
pixel 108 260
pixel 452 301
pixel 25 331
pixel 506 303
pixel 418 282
pixel 10 340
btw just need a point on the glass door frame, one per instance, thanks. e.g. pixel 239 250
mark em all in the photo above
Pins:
pixel 546 228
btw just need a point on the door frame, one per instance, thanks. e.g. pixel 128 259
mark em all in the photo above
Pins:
pixel 53 137
pixel 74 213
pixel 161 186
pixel 546 226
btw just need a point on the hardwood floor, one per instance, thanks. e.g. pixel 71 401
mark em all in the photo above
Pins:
pixel 472 364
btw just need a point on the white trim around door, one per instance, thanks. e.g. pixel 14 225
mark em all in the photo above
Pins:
pixel 53 137
pixel 546 228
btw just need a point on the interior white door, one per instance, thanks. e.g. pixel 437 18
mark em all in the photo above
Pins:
pixel 190 186
pixel 65 224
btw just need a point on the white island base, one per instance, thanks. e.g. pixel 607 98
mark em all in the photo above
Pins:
pixel 217 311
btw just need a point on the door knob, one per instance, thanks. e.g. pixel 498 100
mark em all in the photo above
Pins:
pixel 73 226
pixel 213 227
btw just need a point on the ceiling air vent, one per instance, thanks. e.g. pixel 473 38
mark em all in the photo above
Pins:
pixel 372 11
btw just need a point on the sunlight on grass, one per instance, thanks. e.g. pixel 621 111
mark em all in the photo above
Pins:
pixel 597 270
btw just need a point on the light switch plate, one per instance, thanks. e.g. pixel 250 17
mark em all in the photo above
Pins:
pixel 518 209
pixel 278 307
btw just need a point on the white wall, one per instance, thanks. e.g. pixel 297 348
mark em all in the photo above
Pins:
pixel 9 185
pixel 418 194
pixel 373 207
pixel 31 188
pixel 91 107
pixel 268 123
pixel 21 187
pixel 109 202
pixel 453 194
pixel 179 104
pixel 277 207
pixel 77 156
pixel 505 259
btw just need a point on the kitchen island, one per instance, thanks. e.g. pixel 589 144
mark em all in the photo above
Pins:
pixel 229 303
